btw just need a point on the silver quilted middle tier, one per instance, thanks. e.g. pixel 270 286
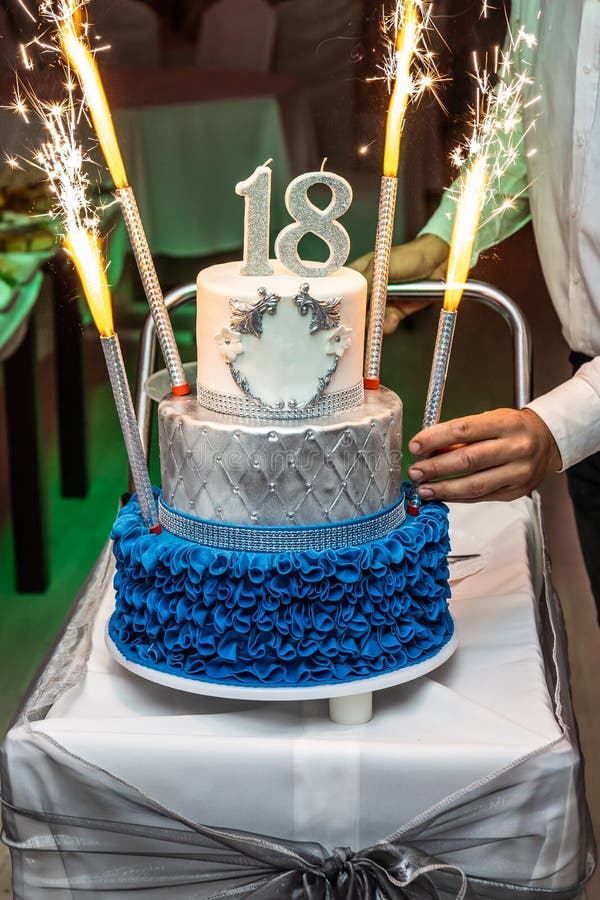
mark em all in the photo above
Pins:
pixel 244 472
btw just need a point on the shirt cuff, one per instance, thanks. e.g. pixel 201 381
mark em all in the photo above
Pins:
pixel 572 413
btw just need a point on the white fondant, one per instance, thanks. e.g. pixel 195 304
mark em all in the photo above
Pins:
pixel 288 361
pixel 285 354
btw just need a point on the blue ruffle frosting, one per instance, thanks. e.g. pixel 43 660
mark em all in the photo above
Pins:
pixel 281 619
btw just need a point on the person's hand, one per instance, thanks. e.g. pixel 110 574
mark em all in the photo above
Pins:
pixel 498 455
pixel 423 258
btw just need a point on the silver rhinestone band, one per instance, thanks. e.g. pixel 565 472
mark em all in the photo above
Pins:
pixel 381 271
pixel 151 285
pixel 282 540
pixel 328 405
pixel 439 367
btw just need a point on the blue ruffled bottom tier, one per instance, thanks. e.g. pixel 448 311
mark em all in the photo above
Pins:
pixel 281 619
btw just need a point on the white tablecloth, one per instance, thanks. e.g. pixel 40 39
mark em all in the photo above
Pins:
pixel 498 708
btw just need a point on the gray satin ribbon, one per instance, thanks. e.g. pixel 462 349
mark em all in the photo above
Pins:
pixel 276 869
pixel 224 863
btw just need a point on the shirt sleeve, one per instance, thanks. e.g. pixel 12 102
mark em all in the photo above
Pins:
pixel 572 413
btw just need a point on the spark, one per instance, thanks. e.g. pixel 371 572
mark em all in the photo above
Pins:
pixel 408 67
pixel 490 148
pixel 63 161
pixel 12 162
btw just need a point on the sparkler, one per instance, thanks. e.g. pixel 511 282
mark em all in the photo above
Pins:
pixel 62 160
pixel 491 149
pixel 67 17
pixel 410 22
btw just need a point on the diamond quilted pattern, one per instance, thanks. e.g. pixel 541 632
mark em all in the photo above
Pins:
pixel 235 470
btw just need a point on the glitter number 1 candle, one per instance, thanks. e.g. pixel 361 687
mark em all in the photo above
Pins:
pixel 257 193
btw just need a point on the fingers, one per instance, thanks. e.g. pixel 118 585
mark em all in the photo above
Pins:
pixel 464 460
pixel 466 430
pixel 501 455
pixel 505 482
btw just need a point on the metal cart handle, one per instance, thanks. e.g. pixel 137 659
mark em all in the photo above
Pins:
pixel 433 290
pixel 490 296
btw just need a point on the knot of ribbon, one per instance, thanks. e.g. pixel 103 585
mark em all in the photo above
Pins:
pixel 337 864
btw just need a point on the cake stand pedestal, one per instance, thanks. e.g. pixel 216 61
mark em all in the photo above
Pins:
pixel 350 702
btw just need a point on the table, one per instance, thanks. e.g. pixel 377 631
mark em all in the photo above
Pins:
pixel 19 362
pixel 18 354
pixel 188 136
pixel 476 764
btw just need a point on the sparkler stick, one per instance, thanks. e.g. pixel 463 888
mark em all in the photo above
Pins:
pixel 62 161
pixel 409 28
pixel 464 231
pixel 71 34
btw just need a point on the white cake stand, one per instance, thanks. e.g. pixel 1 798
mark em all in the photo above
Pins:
pixel 350 703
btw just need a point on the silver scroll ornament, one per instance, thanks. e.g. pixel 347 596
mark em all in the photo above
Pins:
pixel 247 318
pixel 325 314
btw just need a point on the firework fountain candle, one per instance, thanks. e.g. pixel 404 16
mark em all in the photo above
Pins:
pixel 68 18
pixel 409 25
pixel 491 149
pixel 62 160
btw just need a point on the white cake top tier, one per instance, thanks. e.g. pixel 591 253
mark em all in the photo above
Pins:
pixel 280 345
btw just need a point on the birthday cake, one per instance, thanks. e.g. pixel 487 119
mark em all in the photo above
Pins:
pixel 285 558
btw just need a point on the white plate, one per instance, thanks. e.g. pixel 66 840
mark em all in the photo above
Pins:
pixel 317 692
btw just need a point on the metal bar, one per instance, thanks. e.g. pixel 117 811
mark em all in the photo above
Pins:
pixel 434 290
pixel 146 360
pixel 501 303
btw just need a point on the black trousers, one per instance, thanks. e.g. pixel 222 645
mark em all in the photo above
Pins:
pixel 584 487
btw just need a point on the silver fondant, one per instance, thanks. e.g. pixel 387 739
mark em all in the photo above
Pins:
pixel 283 539
pixel 245 407
pixel 244 472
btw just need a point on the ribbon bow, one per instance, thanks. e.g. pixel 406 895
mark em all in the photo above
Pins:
pixel 382 872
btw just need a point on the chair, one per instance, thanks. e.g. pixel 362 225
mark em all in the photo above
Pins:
pixel 237 34
pixel 8 45
pixel 130 27
pixel 317 43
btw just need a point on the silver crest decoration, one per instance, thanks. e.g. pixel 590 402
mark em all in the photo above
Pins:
pixel 247 318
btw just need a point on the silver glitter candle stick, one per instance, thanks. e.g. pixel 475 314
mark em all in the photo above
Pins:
pixel 381 272
pixel 435 391
pixel 152 289
pixel 131 434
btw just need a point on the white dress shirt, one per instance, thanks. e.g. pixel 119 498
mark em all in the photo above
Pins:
pixel 558 173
